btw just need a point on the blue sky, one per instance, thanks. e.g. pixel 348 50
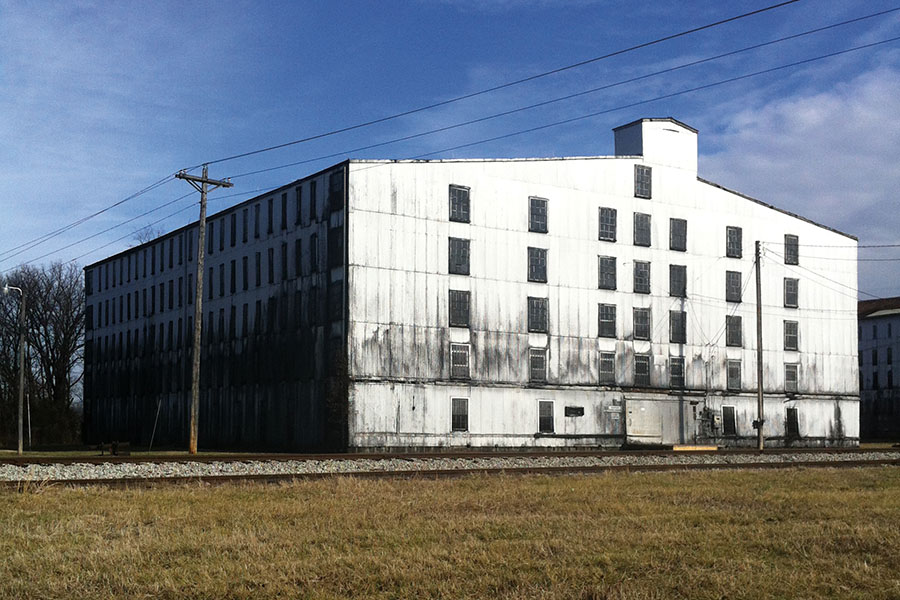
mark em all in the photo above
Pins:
pixel 100 99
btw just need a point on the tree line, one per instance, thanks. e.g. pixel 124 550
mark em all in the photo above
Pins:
pixel 54 343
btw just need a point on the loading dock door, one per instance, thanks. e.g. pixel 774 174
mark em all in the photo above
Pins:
pixel 660 421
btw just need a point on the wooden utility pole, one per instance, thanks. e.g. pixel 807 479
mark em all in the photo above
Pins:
pixel 759 354
pixel 202 184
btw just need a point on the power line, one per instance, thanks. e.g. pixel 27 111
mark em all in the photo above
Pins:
pixel 501 86
pixel 816 273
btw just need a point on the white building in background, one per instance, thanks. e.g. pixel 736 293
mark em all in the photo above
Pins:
pixel 502 302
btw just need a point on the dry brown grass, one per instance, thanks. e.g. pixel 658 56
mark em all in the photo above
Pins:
pixel 806 533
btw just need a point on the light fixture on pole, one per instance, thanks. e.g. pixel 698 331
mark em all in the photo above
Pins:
pixel 6 289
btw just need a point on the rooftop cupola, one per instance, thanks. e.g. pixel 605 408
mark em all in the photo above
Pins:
pixel 661 141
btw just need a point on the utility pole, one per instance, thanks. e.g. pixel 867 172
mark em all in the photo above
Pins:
pixel 759 354
pixel 6 289
pixel 202 184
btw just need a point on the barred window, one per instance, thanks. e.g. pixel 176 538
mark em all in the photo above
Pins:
pixel 676 372
pixel 459 420
pixel 677 327
pixel 641 277
pixel 733 331
pixel 791 292
pixel 545 416
pixel 729 424
pixel 733 286
pixel 537 215
pixel 459 361
pixel 678 281
pixel 641 229
pixel 459 204
pixel 678 235
pixel 537 364
pixel 607 273
pixel 459 308
pixel 734 374
pixel 790 377
pixel 608 224
pixel 642 180
pixel 642 323
pixel 459 256
pixel 607 367
pixel 607 317
pixel 642 369
pixel 791 335
pixel 733 242
pixel 538 315
pixel 537 265
pixel 791 249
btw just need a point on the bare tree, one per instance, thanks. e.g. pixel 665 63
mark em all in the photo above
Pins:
pixel 145 234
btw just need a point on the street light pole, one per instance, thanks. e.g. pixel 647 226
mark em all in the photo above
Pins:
pixel 6 289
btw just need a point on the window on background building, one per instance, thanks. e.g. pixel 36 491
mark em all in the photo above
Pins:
pixel 641 229
pixel 642 323
pixel 209 291
pixel 284 211
pixel 459 361
pixel 890 355
pixel 221 280
pixel 729 424
pixel 677 327
pixel 314 253
pixel 874 357
pixel 312 201
pixel 284 261
pixel 459 204
pixel 233 286
pixel 190 250
pixel 245 280
pixel 678 281
pixel 270 218
pixel 221 237
pixel 791 335
pixel 676 372
pixel 537 265
pixel 233 229
pixel 734 374
pixel 537 215
pixel 298 257
pixel 607 272
pixel 190 289
pixel 733 286
pixel 608 224
pixel 258 258
pixel 678 235
pixel 791 292
pixel 270 255
pixel 641 277
pixel 790 377
pixel 607 318
pixel 459 256
pixel 734 335
pixel 459 308
pixel 538 315
pixel 256 211
pixel 791 249
pixel 607 368
pixel 642 181
pixel 459 410
pixel 874 332
pixel 245 215
pixel 545 416
pixel 642 370
pixel 298 195
pixel 734 247
pixel 210 237
pixel 537 364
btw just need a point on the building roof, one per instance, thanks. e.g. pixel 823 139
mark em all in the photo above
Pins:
pixel 656 119
pixel 881 307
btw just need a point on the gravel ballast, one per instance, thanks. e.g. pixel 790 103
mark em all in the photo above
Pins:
pixel 184 469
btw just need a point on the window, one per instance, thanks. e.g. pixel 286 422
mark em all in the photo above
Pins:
pixel 244 273
pixel 607 317
pixel 641 229
pixel 874 357
pixel 574 411
pixel 678 235
pixel 284 211
pixel 734 374
pixel 791 335
pixel 729 425
pixel 284 261
pixel 537 364
pixel 314 253
pixel 790 377
pixel 538 315
pixel 298 194
pixel 459 308
pixel 607 273
pixel 221 239
pixel 890 356
pixel 642 323
pixel 733 331
pixel 678 281
pixel 874 332
pixel 88 283
pixel 312 201
pixel 459 256
pixel 258 269
pixel 676 372
pixel 641 277
pixel 642 370
pixel 791 292
pixel 244 217
pixel 298 257
pixel 733 242
pixel 537 215
pixel 792 424
pixel 459 204
pixel 256 221
pixel 336 190
pixel 271 264
pixel 608 224
pixel 677 327
pixel 459 414
pixel 545 416
pixel 537 265
pixel 642 180
pixel 209 291
pixel 607 367
pixel 210 236
pixel 733 286
pixel 791 249
pixel 459 361
pixel 270 218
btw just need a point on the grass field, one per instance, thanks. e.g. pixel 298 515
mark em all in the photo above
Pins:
pixel 802 533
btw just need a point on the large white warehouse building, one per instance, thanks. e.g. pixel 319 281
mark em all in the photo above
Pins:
pixel 586 301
